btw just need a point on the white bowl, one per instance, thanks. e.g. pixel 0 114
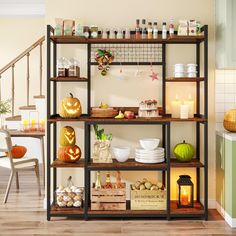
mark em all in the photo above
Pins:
pixel 149 143
pixel 121 153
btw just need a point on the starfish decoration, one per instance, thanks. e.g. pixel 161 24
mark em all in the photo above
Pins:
pixel 154 76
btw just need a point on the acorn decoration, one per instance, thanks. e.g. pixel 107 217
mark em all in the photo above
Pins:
pixel 103 58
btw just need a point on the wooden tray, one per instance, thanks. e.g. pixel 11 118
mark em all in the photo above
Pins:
pixel 109 112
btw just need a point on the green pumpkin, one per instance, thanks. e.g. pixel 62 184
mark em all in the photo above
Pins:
pixel 184 152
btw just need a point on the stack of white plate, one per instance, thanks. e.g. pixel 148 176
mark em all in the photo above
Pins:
pixel 192 70
pixel 150 156
pixel 179 70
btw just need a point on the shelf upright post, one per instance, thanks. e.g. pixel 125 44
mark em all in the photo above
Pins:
pixel 54 112
pixel 206 123
pixel 164 102
pixel 48 123
pixel 168 154
pixel 89 78
pixel 198 101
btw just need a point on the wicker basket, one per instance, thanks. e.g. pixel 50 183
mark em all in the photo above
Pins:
pixel 230 120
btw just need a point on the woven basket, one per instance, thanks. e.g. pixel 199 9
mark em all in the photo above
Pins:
pixel 230 120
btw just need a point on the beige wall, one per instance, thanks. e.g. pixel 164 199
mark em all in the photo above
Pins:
pixel 122 13
pixel 17 34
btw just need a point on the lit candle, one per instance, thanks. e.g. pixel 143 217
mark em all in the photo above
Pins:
pixel 184 111
pixel 33 122
pixel 42 125
pixel 175 107
pixel 190 104
pixel 184 198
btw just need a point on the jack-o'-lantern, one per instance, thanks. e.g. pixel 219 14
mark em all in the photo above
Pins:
pixel 70 107
pixel 69 153
pixel 67 136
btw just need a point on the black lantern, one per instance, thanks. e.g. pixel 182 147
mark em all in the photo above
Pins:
pixel 185 191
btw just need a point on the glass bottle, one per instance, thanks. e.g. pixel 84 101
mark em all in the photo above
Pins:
pixel 119 34
pixel 112 34
pixel 98 184
pixel 155 30
pixel 104 34
pixel 127 33
pixel 144 29
pixel 164 31
pixel 171 28
pixel 108 183
pixel 149 30
pixel 137 30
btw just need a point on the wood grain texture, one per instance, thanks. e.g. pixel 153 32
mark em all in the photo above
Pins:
pixel 24 215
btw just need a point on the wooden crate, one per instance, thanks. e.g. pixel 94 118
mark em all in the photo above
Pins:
pixel 108 199
pixel 148 200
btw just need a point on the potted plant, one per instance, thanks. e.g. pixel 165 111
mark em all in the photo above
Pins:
pixel 5 108
pixel 101 151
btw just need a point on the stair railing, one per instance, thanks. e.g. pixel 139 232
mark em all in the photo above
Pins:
pixel 12 64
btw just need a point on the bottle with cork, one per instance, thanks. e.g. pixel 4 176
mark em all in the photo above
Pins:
pixel 150 30
pixel 137 30
pixel 144 29
pixel 164 31
pixel 155 30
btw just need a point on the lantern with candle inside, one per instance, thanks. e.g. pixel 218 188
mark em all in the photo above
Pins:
pixel 185 191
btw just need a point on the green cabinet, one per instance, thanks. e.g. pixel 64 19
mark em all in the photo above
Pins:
pixel 226 175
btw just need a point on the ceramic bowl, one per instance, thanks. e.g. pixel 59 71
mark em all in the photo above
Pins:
pixel 121 153
pixel 149 143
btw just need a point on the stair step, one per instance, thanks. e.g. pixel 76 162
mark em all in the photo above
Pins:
pixel 14 118
pixel 30 107
pixel 39 97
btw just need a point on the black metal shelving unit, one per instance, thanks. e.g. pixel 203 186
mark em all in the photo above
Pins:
pixel 200 210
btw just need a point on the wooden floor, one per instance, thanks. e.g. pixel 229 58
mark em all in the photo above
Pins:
pixel 24 215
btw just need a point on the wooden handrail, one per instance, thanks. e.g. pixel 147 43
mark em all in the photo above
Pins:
pixel 23 54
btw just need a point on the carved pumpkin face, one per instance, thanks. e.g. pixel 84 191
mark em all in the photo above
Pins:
pixel 67 136
pixel 69 154
pixel 70 107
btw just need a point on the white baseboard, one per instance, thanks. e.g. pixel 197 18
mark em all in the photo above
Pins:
pixel 231 221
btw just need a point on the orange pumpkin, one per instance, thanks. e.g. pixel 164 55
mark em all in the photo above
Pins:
pixel 18 151
pixel 69 153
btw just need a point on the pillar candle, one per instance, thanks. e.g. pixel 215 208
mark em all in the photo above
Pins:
pixel 175 108
pixel 184 111
pixel 184 198
pixel 190 104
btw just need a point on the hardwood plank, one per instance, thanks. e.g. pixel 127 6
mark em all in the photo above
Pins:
pixel 69 79
pixel 193 163
pixel 184 79
pixel 60 164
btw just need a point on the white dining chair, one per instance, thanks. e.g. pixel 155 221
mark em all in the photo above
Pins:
pixel 16 165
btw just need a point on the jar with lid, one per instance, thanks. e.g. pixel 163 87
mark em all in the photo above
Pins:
pixel 62 67
pixel 155 30
pixel 94 31
pixel 74 70
pixel 86 32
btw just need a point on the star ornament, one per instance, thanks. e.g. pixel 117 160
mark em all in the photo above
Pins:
pixel 154 76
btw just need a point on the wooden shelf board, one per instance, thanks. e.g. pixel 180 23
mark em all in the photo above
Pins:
pixel 92 120
pixel 193 163
pixel 56 210
pixel 173 39
pixel 57 118
pixel 184 79
pixel 60 164
pixel 131 164
pixel 198 209
pixel 69 79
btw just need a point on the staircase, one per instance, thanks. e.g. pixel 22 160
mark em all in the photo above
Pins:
pixel 39 107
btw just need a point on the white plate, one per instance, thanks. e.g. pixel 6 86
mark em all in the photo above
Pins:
pixel 155 151
pixel 149 157
pixel 149 161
